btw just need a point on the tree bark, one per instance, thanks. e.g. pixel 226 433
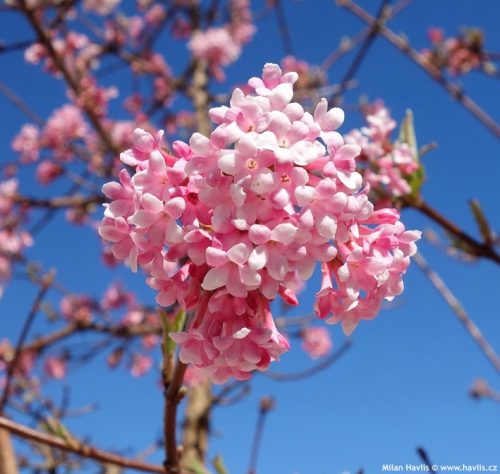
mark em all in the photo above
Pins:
pixel 8 464
pixel 196 425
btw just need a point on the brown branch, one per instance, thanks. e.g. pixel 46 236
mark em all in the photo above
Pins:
pixel 199 96
pixel 319 367
pixel 459 311
pixel 45 39
pixel 266 405
pixel 481 389
pixel 8 464
pixel 196 425
pixel 8 48
pixel 75 447
pixel 402 44
pixel 422 454
pixel 121 331
pixel 350 43
pixel 58 202
pixel 363 51
pixel 44 287
pixel 480 249
pixel 18 102
pixel 283 27
pixel 173 395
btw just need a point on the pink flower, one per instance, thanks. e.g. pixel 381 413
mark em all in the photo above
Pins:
pixel 115 297
pixel 27 143
pixel 35 53
pixel 47 171
pixel 193 376
pixel 55 367
pixel 77 308
pixel 316 341
pixel 436 35
pixel 386 165
pixel 217 47
pixel 140 364
pixel 223 345
pixel 101 7
pixel 63 126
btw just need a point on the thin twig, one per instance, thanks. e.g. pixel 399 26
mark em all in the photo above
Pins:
pixel 322 365
pixel 266 405
pixel 402 44
pixel 45 285
pixel 425 458
pixel 8 48
pixel 459 311
pixel 350 43
pixel 119 331
pixel 20 104
pixel 60 201
pixel 363 51
pixel 75 447
pixel 45 39
pixel 283 27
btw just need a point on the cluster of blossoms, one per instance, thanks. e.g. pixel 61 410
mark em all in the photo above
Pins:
pixel 60 138
pixel 13 238
pixel 100 7
pixel 227 223
pixel 75 50
pixel 458 55
pixel 309 77
pixel 386 165
pixel 117 311
pixel 220 46
pixel 316 341
pixel 24 365
pixel 85 312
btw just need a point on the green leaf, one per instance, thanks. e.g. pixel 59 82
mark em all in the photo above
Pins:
pixel 407 134
pixel 56 428
pixel 171 325
pixel 416 180
pixel 218 464
pixel 197 468
pixel 481 220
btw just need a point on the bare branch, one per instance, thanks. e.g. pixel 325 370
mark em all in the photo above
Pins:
pixel 266 405
pixel 402 44
pixel 75 447
pixel 322 365
pixel 45 285
pixel 459 311
pixel 173 396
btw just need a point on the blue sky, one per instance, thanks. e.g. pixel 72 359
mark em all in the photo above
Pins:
pixel 404 382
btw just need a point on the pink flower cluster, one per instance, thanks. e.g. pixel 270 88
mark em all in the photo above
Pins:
pixel 316 341
pixel 220 46
pixel 86 312
pixel 75 50
pixel 100 7
pixel 64 127
pixel 61 136
pixel 230 221
pixel 458 55
pixel 13 238
pixel 308 76
pixel 386 165
pixel 217 47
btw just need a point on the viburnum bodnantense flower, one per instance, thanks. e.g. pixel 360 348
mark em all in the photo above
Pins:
pixel 386 164
pixel 224 224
